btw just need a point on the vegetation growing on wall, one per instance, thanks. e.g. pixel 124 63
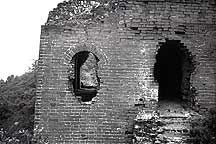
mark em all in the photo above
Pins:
pixel 82 12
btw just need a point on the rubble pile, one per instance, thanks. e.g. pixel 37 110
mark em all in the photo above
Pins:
pixel 146 131
pixel 171 124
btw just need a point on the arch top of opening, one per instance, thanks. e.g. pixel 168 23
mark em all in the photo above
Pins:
pixel 175 43
pixel 83 54
pixel 170 48
pixel 99 54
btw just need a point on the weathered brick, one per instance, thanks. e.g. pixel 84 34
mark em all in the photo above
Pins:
pixel 126 45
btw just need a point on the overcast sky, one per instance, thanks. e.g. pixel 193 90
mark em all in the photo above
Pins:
pixel 20 23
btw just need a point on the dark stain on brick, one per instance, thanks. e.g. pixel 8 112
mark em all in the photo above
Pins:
pixel 52 104
pixel 53 120
pixel 61 94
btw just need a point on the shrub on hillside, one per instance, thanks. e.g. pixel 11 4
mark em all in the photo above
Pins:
pixel 17 98
pixel 204 130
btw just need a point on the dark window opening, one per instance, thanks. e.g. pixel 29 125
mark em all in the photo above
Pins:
pixel 168 70
pixel 85 80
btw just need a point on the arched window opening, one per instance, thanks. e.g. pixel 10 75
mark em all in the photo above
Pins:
pixel 84 78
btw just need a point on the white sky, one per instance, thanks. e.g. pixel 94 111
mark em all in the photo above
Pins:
pixel 20 24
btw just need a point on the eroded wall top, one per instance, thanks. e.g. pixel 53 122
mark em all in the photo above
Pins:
pixel 86 12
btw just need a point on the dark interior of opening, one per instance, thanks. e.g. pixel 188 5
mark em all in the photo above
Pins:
pixel 85 92
pixel 168 70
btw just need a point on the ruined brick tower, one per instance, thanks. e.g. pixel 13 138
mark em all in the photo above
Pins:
pixel 98 69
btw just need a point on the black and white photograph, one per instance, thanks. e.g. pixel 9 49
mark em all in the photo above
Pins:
pixel 108 72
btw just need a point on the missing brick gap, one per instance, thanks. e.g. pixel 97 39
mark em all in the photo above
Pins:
pixel 134 28
pixel 180 32
pixel 155 28
pixel 180 29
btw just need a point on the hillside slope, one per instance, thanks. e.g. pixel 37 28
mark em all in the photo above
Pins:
pixel 17 98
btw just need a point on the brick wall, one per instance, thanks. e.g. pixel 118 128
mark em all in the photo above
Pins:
pixel 126 44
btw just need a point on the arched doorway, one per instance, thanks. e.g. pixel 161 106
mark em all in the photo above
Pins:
pixel 172 71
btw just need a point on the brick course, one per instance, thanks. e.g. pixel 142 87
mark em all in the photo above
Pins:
pixel 126 44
